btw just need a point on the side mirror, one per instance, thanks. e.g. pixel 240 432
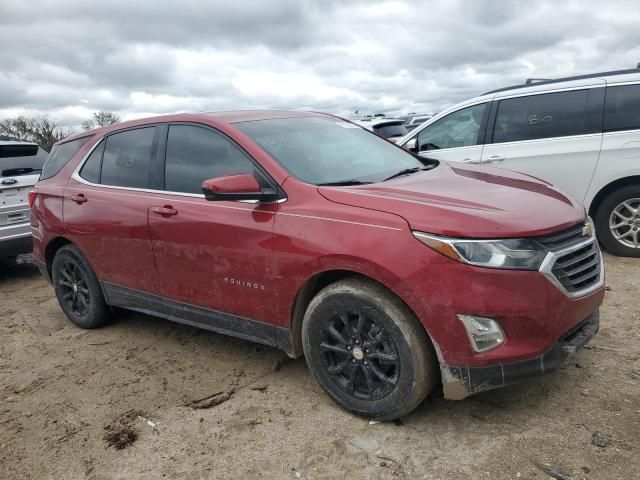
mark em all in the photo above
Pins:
pixel 411 145
pixel 239 186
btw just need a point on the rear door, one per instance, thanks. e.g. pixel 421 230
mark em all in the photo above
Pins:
pixel 106 203
pixel 457 136
pixel 553 136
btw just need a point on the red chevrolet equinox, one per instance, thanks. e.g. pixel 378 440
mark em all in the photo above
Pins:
pixel 388 272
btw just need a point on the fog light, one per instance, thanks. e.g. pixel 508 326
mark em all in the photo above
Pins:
pixel 484 333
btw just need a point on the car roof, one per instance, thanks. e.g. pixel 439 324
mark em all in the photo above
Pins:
pixel 531 83
pixel 225 117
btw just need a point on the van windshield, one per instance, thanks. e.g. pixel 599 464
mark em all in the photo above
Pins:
pixel 324 151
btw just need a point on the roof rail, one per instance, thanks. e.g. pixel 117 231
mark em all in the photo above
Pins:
pixel 541 81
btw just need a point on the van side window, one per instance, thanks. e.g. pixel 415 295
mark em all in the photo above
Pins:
pixel 622 108
pixel 541 116
pixel 90 171
pixel 458 129
pixel 127 158
pixel 195 154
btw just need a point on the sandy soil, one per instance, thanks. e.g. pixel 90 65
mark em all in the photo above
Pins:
pixel 69 398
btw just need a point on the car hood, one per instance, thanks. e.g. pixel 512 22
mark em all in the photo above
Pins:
pixel 461 200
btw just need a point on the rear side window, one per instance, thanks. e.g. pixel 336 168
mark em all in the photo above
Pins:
pixel 127 158
pixel 60 156
pixel 541 116
pixel 622 108
pixel 195 154
pixel 91 169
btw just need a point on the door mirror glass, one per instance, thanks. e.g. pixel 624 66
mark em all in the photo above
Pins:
pixel 241 186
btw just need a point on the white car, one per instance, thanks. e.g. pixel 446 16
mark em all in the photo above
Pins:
pixel 20 167
pixel 390 128
pixel 581 134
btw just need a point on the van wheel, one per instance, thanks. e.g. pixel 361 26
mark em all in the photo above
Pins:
pixel 618 222
pixel 77 288
pixel 367 350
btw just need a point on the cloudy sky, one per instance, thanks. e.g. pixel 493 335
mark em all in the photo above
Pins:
pixel 145 57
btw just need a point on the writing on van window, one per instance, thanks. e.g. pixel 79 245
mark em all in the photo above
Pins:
pixel 534 119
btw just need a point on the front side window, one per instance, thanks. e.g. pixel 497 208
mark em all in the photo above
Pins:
pixel 60 156
pixel 127 158
pixel 622 108
pixel 325 150
pixel 541 116
pixel 195 154
pixel 458 129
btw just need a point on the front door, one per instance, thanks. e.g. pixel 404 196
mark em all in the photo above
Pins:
pixel 211 254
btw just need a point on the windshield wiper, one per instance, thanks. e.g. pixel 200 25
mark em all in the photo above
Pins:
pixel 343 183
pixel 407 171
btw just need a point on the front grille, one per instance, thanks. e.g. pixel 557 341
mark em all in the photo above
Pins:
pixel 578 269
pixel 576 264
pixel 563 239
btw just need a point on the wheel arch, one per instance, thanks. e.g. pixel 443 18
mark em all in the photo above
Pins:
pixel 52 248
pixel 315 284
pixel 609 188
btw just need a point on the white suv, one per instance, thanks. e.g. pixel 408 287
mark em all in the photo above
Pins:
pixel 580 133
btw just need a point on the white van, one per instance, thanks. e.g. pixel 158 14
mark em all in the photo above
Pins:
pixel 581 134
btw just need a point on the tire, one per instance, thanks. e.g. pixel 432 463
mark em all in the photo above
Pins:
pixel 354 332
pixel 612 209
pixel 77 289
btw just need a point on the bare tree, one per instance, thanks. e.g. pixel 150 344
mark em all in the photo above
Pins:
pixel 101 119
pixel 43 130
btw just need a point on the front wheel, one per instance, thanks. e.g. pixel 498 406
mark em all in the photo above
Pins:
pixel 367 350
pixel 618 222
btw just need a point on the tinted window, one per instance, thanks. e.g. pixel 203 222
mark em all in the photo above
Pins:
pixel 195 154
pixel 391 130
pixel 458 129
pixel 91 169
pixel 622 108
pixel 541 116
pixel 60 156
pixel 127 158
pixel 322 150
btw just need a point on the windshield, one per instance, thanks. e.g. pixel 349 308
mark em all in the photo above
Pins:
pixel 321 150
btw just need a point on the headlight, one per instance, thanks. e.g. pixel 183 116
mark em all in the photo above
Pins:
pixel 510 253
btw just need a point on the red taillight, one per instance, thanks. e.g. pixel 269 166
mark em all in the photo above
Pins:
pixel 31 197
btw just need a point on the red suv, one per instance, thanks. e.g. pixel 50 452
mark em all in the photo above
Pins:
pixel 388 272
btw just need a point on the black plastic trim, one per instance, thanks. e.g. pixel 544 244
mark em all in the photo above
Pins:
pixel 219 322
pixel 16 246
pixel 480 379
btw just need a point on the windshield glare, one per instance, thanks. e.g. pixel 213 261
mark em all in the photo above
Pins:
pixel 321 150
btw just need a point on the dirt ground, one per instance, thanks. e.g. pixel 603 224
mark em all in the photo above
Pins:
pixel 146 398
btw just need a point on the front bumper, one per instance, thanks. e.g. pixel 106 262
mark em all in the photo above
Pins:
pixel 461 381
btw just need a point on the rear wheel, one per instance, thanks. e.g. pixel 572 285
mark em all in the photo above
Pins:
pixel 77 289
pixel 367 350
pixel 618 222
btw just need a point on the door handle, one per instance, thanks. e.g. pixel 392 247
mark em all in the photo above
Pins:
pixel 79 198
pixel 471 160
pixel 494 158
pixel 165 211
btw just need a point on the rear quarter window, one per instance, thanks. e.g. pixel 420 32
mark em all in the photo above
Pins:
pixel 622 108
pixel 60 156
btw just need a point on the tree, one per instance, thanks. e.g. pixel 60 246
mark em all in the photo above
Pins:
pixel 43 130
pixel 101 119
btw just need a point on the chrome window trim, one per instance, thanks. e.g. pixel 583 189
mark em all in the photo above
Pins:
pixel 546 268
pixel 76 176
